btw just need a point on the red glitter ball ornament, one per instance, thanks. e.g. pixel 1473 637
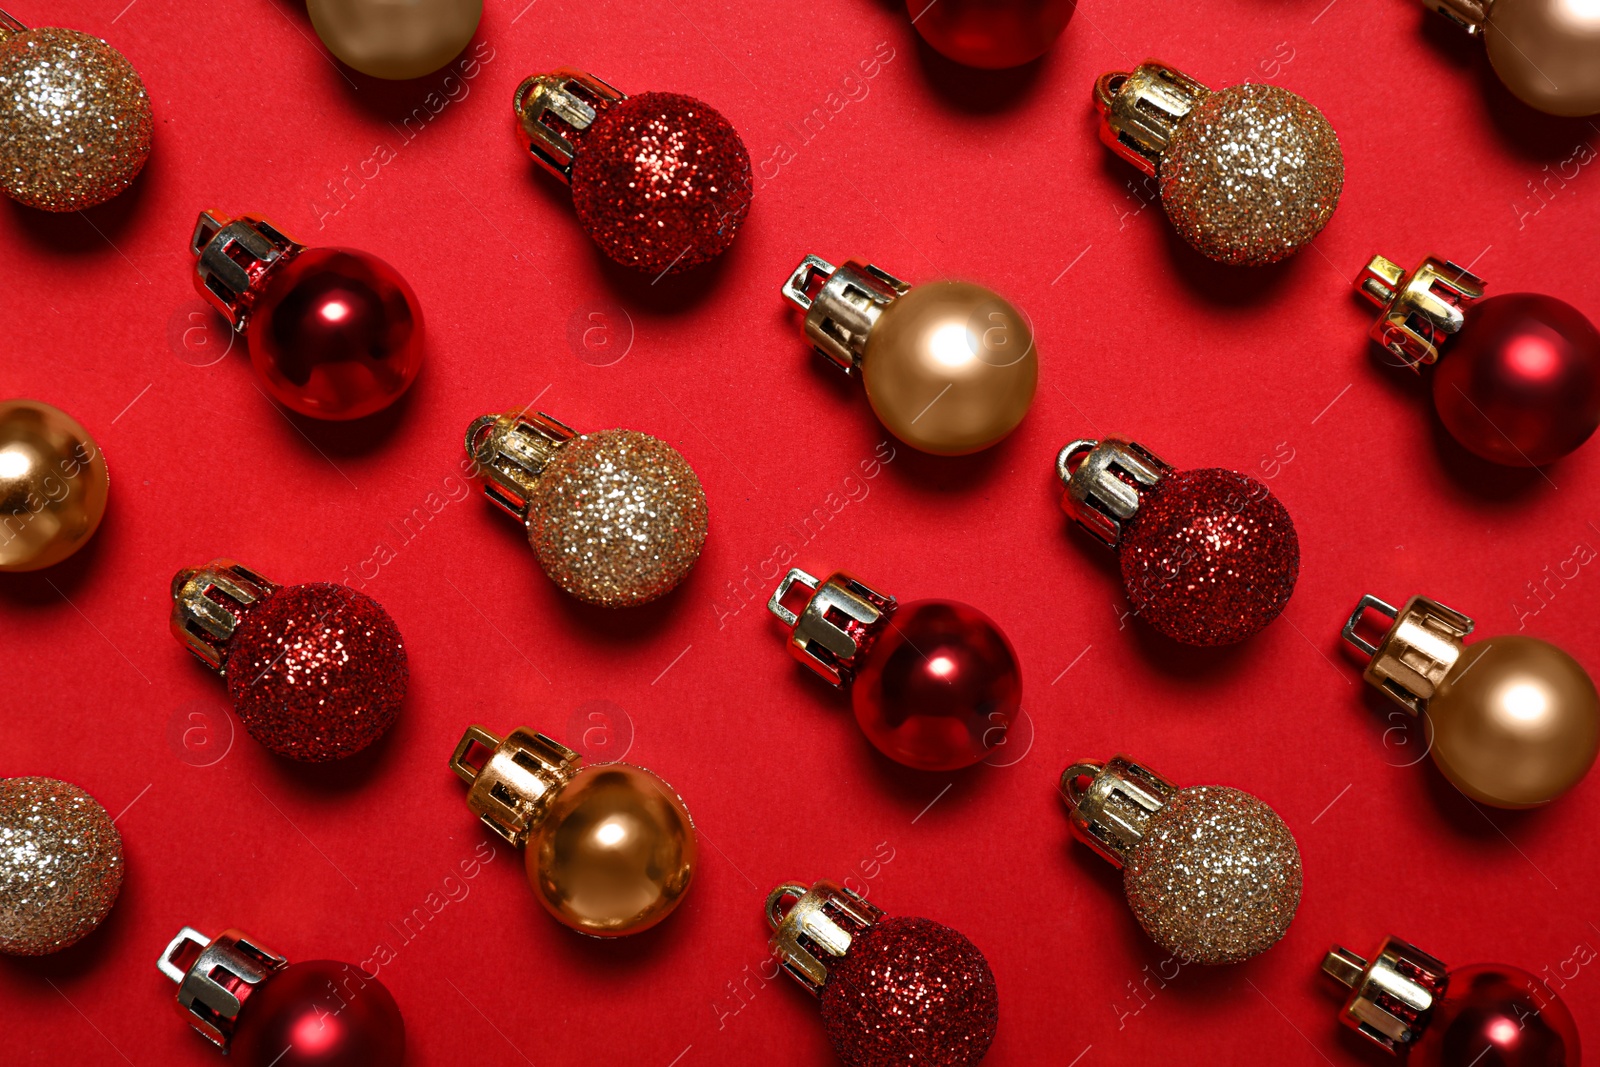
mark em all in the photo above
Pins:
pixel 1209 557
pixel 895 991
pixel 660 181
pixel 317 672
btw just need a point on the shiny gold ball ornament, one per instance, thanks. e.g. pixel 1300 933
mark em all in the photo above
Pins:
pixel 610 848
pixel 395 39
pixel 53 485
pixel 1211 873
pixel 616 518
pixel 1547 52
pixel 949 367
pixel 60 865
pixel 1513 722
pixel 74 118
pixel 1248 174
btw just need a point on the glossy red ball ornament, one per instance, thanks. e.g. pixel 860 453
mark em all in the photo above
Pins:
pixel 934 684
pixel 1516 378
pixel 317 672
pixel 1481 1015
pixel 333 333
pixel 894 991
pixel 660 181
pixel 263 1011
pixel 991 34
pixel 1208 557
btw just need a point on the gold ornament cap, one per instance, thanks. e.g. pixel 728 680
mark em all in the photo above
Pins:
pixel 1422 309
pixel 1111 804
pixel 512 790
pixel 1393 996
pixel 1419 649
pixel 553 110
pixel 1105 482
pixel 511 452
pixel 209 603
pixel 216 977
pixel 836 627
pixel 817 928
pixel 232 260
pixel 842 304
pixel 1141 110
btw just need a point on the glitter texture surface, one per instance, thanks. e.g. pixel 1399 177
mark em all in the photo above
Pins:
pixel 910 991
pixel 1216 878
pixel 1210 557
pixel 74 120
pixel 1252 175
pixel 618 518
pixel 661 182
pixel 60 865
pixel 317 672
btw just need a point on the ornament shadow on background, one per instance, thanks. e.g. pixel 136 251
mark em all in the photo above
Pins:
pixel 96 231
pixel 972 91
pixel 43 589
pixel 1225 285
pixel 88 954
pixel 354 437
pixel 668 294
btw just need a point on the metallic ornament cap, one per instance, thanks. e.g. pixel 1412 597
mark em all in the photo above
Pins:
pixel 1393 996
pixel 512 451
pixel 1112 813
pixel 209 603
pixel 1471 15
pixel 1105 482
pixel 233 258
pixel 1415 654
pixel 10 24
pixel 819 926
pixel 216 978
pixel 511 791
pixel 842 304
pixel 553 110
pixel 835 629
pixel 1421 310
pixel 1140 110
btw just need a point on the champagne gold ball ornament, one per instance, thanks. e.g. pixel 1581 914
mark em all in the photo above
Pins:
pixel 395 39
pixel 53 485
pixel 1547 52
pixel 610 848
pixel 1248 174
pixel 616 518
pixel 60 865
pixel 1211 873
pixel 74 118
pixel 949 367
pixel 1513 722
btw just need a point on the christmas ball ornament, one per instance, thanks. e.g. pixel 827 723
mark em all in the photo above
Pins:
pixel 991 34
pixel 1248 174
pixel 660 181
pixel 610 848
pixel 263 1011
pixel 1547 52
pixel 74 118
pixel 1482 1015
pixel 893 990
pixel 1209 557
pixel 616 518
pixel 934 684
pixel 317 672
pixel 1211 873
pixel 53 485
pixel 1513 722
pixel 1519 386
pixel 395 39
pixel 60 865
pixel 333 333
pixel 949 367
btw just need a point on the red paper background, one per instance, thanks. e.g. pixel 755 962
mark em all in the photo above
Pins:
pixel 929 170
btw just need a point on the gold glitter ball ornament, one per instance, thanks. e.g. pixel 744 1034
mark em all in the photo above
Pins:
pixel 60 865
pixel 74 118
pixel 1211 873
pixel 616 518
pixel 1248 175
